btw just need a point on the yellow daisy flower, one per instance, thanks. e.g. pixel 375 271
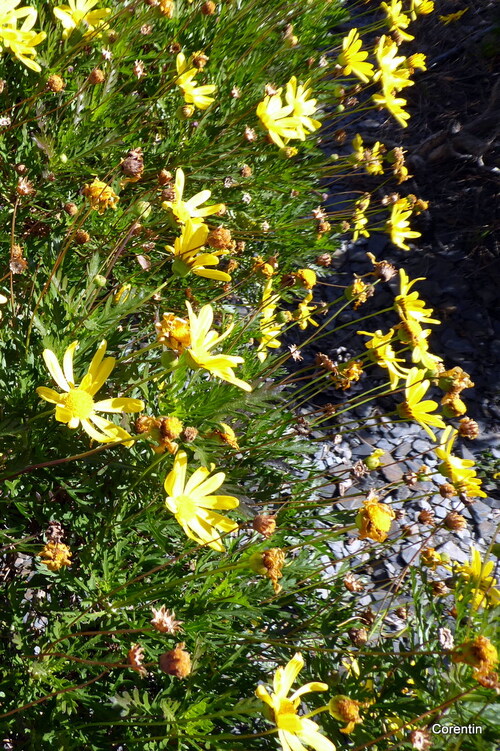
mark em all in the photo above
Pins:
pixel 394 105
pixel 458 471
pixel 381 352
pixel 79 13
pixel 76 406
pixel 413 408
pixel 199 96
pixel 192 502
pixel 478 573
pixel 270 327
pixel 190 209
pixel 374 519
pixel 188 256
pixel 275 117
pixel 408 305
pixel 345 710
pixel 22 41
pixel 203 339
pixel 392 72
pixel 55 555
pixel 100 195
pixel 353 58
pixel 304 312
pixel 297 97
pixel 293 730
pixel 398 21
pixel 398 225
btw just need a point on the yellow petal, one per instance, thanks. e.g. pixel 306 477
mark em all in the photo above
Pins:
pixel 55 370
pixel 119 404
pixel 68 363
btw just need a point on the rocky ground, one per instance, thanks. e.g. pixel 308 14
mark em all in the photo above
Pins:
pixel 458 254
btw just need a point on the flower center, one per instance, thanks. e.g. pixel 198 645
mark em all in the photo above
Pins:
pixel 80 403
pixel 186 507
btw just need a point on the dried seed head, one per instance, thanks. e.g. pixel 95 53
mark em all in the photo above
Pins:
pixel 246 171
pixel 176 662
pixel 358 636
pixel 353 584
pixel 164 177
pixel 189 434
pixel 164 621
pixel 139 69
pixel 439 589
pixel 24 187
pixel 167 194
pixel 402 613
pixel 249 134
pixel 323 361
pixel 325 259
pixel 426 517
pixel 200 60
pixel 220 239
pixel 81 237
pixel 420 739
pixel 133 164
pixel 54 532
pixel 368 617
pixel 208 8
pixel 55 83
pixel 455 521
pixel 264 524
pixel 144 423
pixel 135 657
pixel 96 76
pixel 446 638
pixel 446 490
pixel 71 208
pixel 468 428
pixel 18 263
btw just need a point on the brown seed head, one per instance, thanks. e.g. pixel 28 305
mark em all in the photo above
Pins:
pixel 446 490
pixel 165 177
pixel 18 263
pixel 200 60
pixel 177 662
pixel 455 521
pixel 189 434
pixel 273 561
pixel 246 171
pixel 208 8
pixel 71 208
pixel 55 83
pixel 220 239
pixel 325 259
pixel 358 636
pixel 420 739
pixel 81 237
pixel 264 524
pixel 54 532
pixel 133 164
pixel 426 517
pixel 96 76
pixel 468 428
pixel 135 657
pixel 352 584
pixel 24 187
pixel 439 589
pixel 164 621
pixel 167 194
